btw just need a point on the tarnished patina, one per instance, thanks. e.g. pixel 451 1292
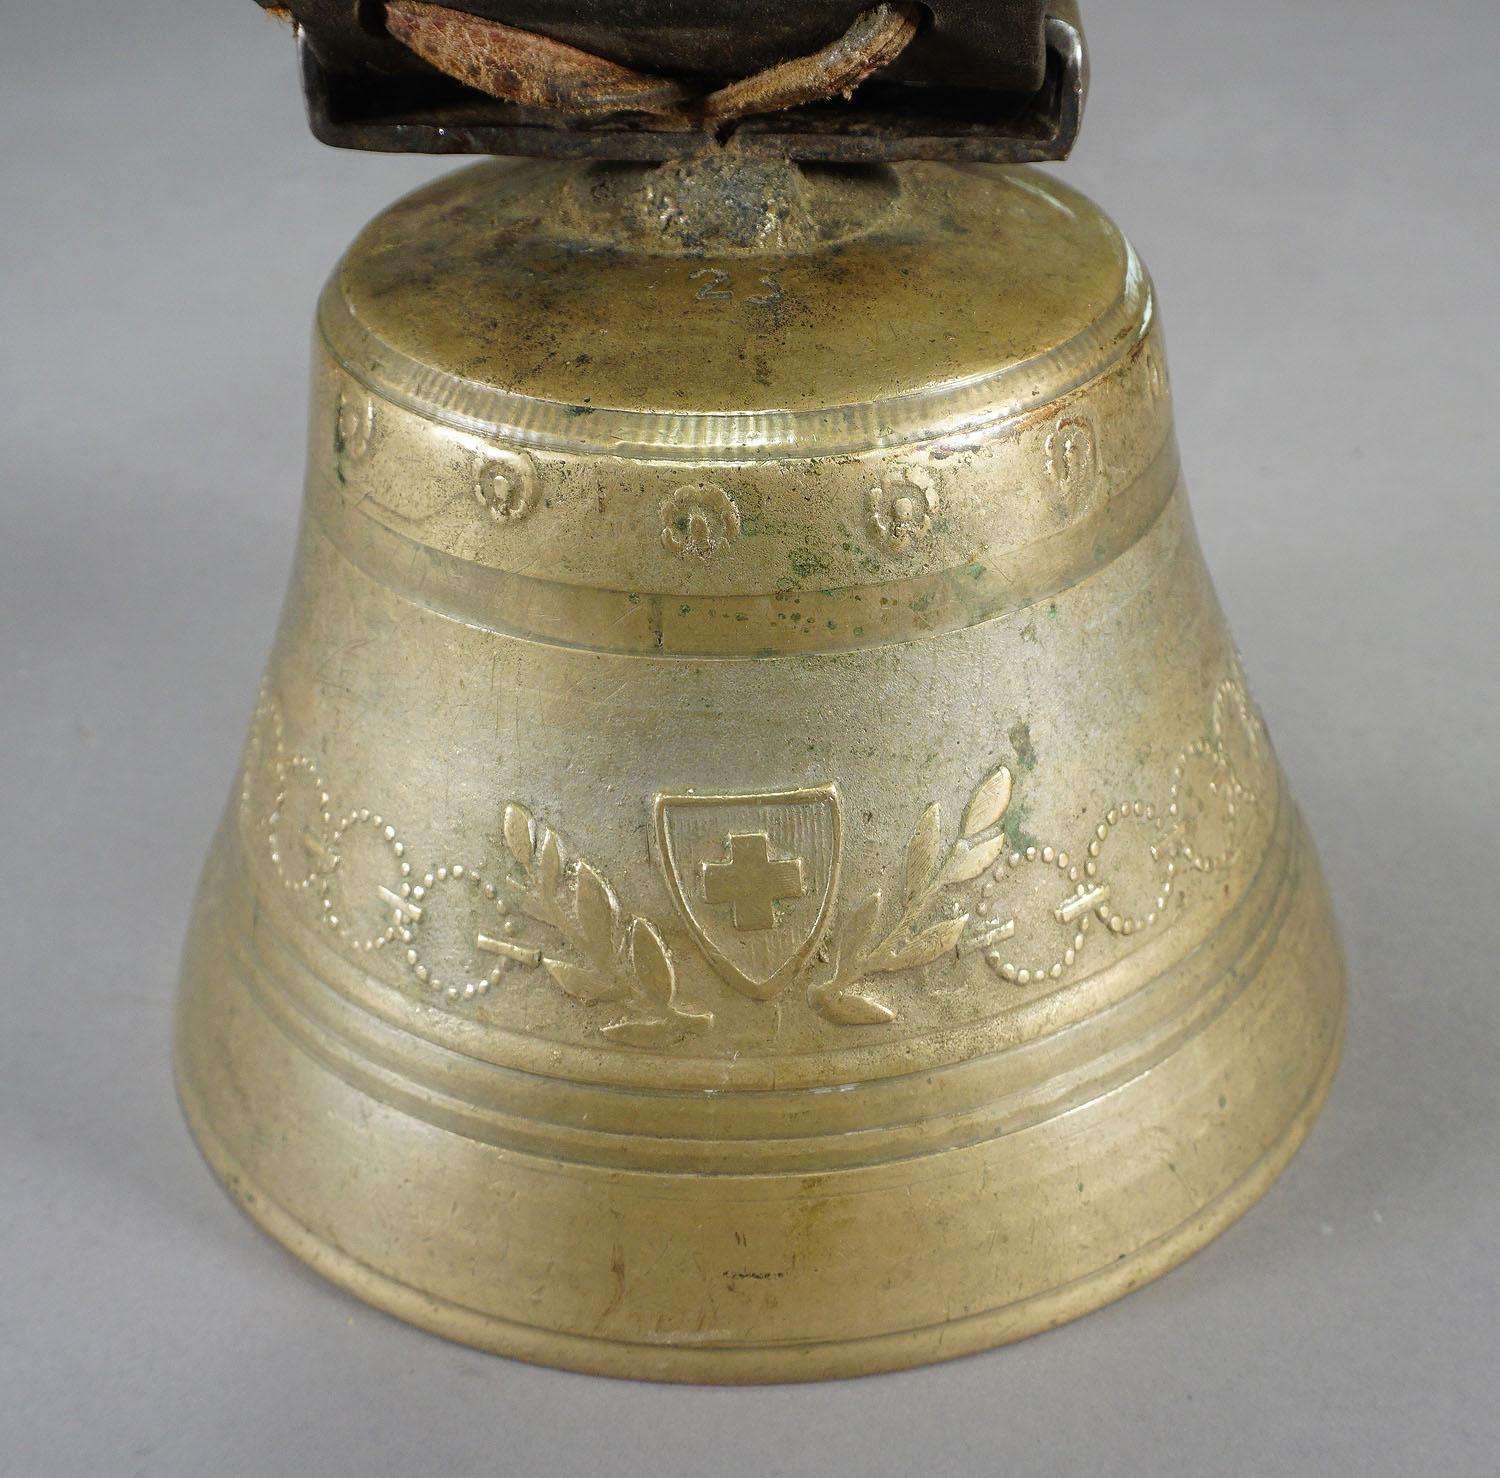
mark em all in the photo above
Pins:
pixel 755 857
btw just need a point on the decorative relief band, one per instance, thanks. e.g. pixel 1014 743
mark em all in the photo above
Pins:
pixel 460 495
pixel 701 524
pixel 756 880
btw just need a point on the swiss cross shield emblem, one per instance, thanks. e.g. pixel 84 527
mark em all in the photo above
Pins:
pixel 754 876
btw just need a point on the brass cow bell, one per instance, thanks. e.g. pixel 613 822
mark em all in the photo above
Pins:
pixel 755 858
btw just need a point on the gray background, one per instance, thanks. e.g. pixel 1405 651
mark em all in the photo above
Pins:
pixel 1314 188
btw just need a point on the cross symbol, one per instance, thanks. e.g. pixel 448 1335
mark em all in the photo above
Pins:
pixel 751 882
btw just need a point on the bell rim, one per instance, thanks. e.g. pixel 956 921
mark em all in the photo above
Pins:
pixel 789 1362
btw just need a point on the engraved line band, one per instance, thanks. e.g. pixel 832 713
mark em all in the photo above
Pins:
pixel 966 1333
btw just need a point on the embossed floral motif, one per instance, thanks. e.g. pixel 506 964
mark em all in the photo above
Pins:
pixel 699 520
pixel 354 426
pixel 1155 369
pixel 505 484
pixel 1071 451
pixel 899 511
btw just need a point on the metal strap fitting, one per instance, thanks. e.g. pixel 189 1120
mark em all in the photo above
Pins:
pixel 831 80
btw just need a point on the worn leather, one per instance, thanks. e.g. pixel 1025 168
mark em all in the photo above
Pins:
pixel 991 44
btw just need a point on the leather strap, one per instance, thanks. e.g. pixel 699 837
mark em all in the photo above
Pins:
pixel 659 79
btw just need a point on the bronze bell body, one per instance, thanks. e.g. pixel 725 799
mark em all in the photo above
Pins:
pixel 755 858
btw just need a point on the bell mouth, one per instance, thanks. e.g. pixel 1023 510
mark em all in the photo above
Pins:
pixel 833 1359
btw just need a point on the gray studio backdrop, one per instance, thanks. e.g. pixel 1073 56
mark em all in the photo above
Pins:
pixel 1313 187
